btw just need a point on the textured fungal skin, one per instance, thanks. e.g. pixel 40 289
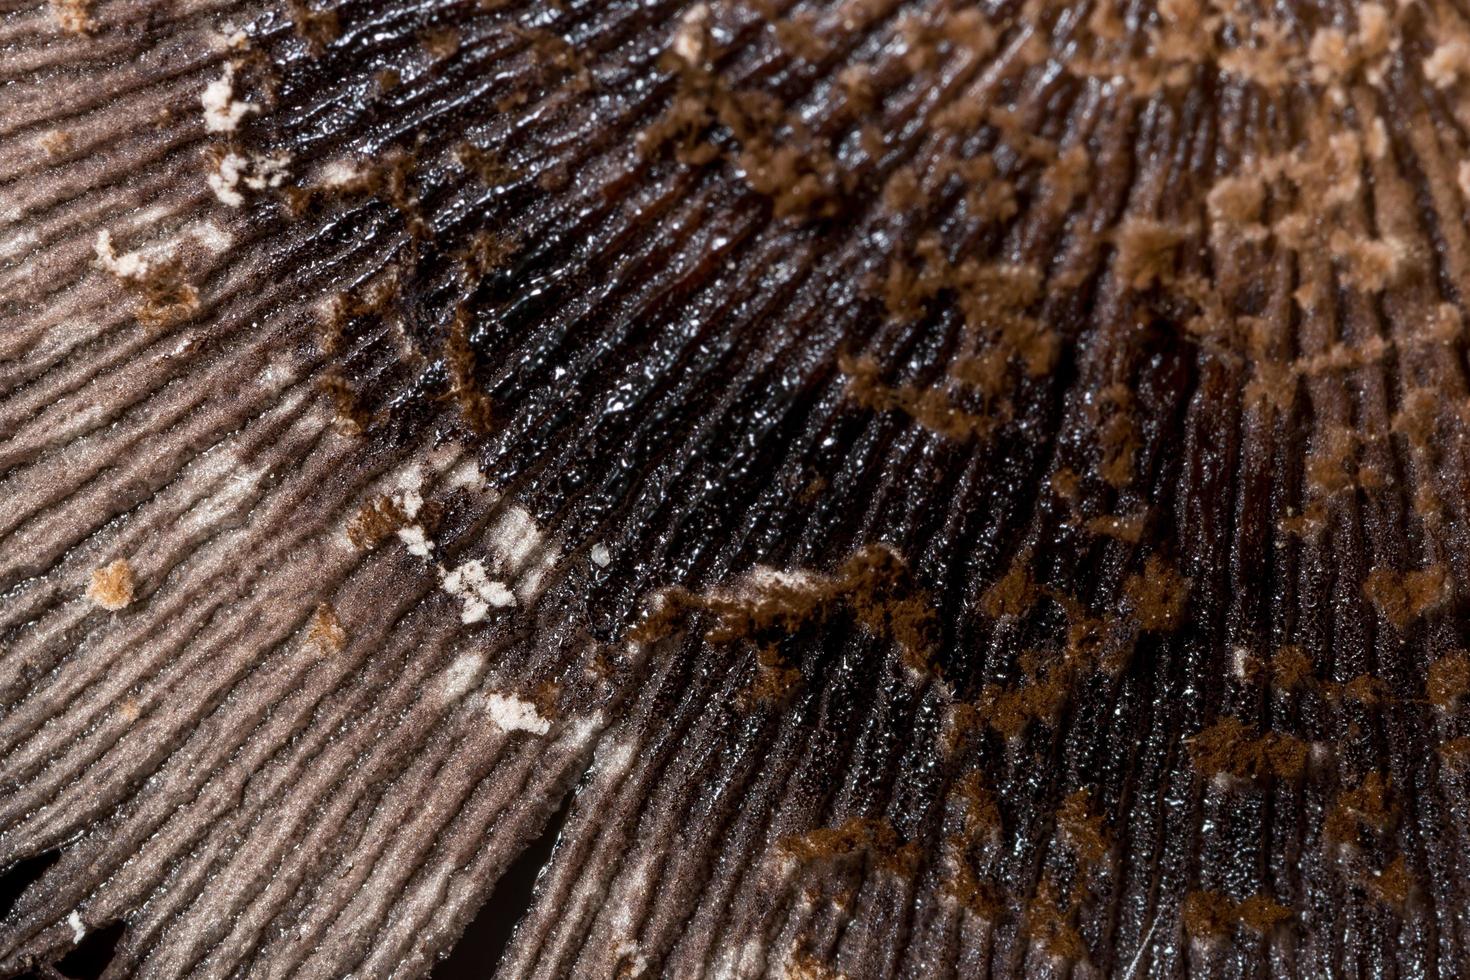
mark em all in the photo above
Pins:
pixel 930 489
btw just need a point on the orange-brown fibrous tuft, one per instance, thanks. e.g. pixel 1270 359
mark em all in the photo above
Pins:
pixel 934 408
pixel 488 251
pixel 1364 808
pixel 1012 594
pixel 440 43
pixel 351 414
pixel 488 165
pixel 166 297
pixel 1229 747
pixel 1290 668
pixel 857 838
pixel 112 585
pixel 459 358
pixel 375 521
pixel 326 632
pixel 1210 915
pixel 1393 885
pixel 1117 435
pixel 55 142
pixel 1402 597
pixel 318 28
pixel 1456 754
pixel 1049 924
pixel 1128 529
pixel 873 587
pixel 1148 252
pixel 385 178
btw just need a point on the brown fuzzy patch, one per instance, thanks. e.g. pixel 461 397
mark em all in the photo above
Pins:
pixel 374 522
pixel 981 811
pixel 1456 753
pixel 1011 710
pixel 1117 435
pixel 1158 595
pixel 1147 251
pixel 1049 924
pixel 440 43
pixel 1012 594
pixel 804 965
pixel 858 838
pixel 1209 915
pixel 459 358
pixel 1449 680
pixel 352 415
pixel 1083 829
pixel 1127 529
pixel 1392 885
pixel 386 178
pixel 55 142
pixel 318 28
pixel 1366 690
pixel 1290 668
pixel 166 296
pixel 1366 807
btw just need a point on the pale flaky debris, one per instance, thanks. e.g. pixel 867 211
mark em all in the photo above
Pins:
pixel 1449 63
pixel 112 585
pixel 513 714
pixel 691 39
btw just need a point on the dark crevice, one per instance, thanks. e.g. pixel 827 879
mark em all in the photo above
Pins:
pixel 93 954
pixel 20 876
pixel 488 935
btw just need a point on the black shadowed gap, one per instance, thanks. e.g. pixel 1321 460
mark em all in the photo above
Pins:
pixel 93 954
pixel 485 939
pixel 20 876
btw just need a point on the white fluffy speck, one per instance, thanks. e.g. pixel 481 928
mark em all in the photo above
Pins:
pixel 418 542
pixel 222 111
pixel 133 265
pixel 514 715
pixel 77 929
pixel 600 556
pixel 479 593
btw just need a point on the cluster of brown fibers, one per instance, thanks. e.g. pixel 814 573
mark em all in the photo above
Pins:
pixel 908 488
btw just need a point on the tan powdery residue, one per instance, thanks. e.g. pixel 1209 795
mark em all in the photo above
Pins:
pixel 112 585
pixel 73 16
